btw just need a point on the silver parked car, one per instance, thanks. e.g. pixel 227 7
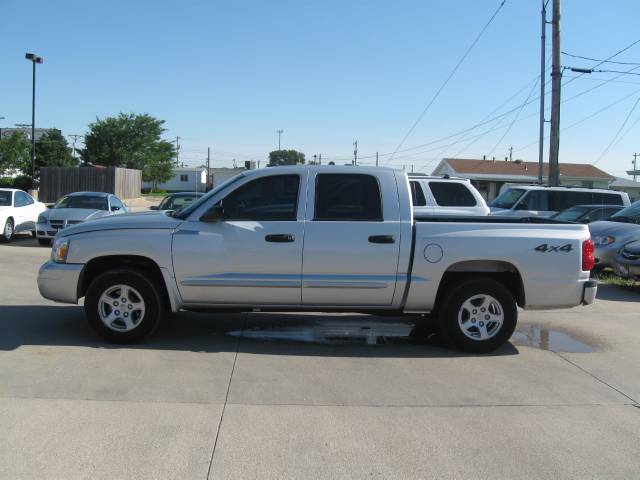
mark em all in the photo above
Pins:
pixel 76 208
pixel 628 261
pixel 611 235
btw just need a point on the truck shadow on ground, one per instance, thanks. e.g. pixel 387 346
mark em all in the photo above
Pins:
pixel 330 335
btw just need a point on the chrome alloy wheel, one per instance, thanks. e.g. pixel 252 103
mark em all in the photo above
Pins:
pixel 121 308
pixel 480 317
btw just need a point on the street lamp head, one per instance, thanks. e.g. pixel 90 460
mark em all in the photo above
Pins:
pixel 33 57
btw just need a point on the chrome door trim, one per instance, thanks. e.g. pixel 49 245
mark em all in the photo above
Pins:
pixel 244 280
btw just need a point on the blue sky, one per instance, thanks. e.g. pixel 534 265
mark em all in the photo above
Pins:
pixel 228 74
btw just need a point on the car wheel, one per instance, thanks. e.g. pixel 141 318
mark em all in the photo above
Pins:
pixel 45 242
pixel 7 231
pixel 478 315
pixel 124 305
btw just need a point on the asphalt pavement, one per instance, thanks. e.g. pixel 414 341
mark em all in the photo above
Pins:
pixel 274 396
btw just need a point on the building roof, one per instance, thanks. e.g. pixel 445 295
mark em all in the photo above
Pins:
pixel 624 183
pixel 520 168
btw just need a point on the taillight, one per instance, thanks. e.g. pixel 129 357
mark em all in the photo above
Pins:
pixel 588 259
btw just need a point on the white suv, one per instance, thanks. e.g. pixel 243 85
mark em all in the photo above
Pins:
pixel 433 195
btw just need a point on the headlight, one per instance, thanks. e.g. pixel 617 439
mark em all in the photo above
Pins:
pixel 42 218
pixel 604 240
pixel 59 250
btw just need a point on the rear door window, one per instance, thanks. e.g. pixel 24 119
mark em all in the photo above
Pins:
pixel 348 197
pixel 537 200
pixel 452 194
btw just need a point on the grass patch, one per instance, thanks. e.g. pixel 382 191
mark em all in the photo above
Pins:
pixel 609 278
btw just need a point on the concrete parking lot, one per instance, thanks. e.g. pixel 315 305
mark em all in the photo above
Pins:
pixel 313 396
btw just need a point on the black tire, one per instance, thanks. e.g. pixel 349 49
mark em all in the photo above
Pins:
pixel 45 242
pixel 7 231
pixel 149 292
pixel 452 314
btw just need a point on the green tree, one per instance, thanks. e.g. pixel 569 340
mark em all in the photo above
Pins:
pixel 128 140
pixel 52 150
pixel 15 154
pixel 158 167
pixel 285 157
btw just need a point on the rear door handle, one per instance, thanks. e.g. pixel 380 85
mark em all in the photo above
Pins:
pixel 280 238
pixel 382 239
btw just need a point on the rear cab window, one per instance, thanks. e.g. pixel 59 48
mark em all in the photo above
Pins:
pixel 452 194
pixel 350 197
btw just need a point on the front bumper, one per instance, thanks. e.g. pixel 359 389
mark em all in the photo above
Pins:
pixel 59 281
pixel 589 292
pixel 46 230
pixel 627 268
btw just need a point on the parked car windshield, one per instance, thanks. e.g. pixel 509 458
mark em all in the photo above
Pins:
pixel 5 199
pixel 507 199
pixel 631 214
pixel 186 211
pixel 174 202
pixel 90 202
pixel 571 214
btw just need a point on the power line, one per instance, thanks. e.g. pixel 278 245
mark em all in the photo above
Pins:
pixel 444 84
pixel 626 119
pixel 584 119
pixel 601 61
pixel 515 119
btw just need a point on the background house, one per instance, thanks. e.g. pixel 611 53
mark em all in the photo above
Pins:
pixel 488 176
pixel 625 185
pixel 185 179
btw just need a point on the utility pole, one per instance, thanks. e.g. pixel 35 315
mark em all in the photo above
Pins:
pixel 279 132
pixel 320 159
pixel 412 168
pixel 177 151
pixel 511 154
pixel 376 159
pixel 208 167
pixel 635 169
pixel 34 59
pixel 355 152
pixel 75 138
pixel 556 78
pixel 543 68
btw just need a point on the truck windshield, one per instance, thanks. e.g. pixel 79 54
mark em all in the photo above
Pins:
pixel 507 199
pixel 571 214
pixel 631 214
pixel 91 202
pixel 184 212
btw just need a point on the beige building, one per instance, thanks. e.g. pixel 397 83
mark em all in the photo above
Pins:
pixel 488 176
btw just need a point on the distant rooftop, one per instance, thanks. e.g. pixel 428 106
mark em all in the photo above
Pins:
pixel 521 168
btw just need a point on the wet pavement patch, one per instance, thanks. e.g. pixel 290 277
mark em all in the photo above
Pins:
pixel 361 331
pixel 548 339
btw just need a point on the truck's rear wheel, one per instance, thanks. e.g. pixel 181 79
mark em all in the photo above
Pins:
pixel 124 305
pixel 478 315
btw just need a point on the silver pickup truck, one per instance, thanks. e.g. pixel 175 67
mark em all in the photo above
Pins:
pixel 319 238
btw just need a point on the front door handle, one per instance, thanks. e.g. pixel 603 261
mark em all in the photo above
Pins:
pixel 382 239
pixel 280 238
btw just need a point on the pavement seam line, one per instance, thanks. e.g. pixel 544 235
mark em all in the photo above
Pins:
pixel 596 378
pixel 226 397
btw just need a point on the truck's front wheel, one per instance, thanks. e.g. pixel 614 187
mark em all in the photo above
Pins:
pixel 123 305
pixel 478 315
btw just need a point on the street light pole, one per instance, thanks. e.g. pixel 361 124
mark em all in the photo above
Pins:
pixel 279 132
pixel 33 58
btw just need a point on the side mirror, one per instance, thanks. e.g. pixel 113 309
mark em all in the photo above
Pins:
pixel 214 214
pixel 114 208
pixel 154 207
pixel 50 205
pixel 522 206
